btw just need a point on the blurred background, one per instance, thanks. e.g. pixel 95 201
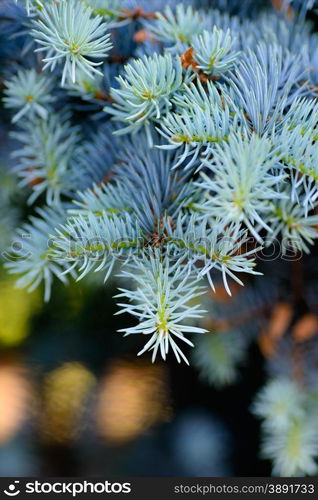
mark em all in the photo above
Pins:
pixel 75 399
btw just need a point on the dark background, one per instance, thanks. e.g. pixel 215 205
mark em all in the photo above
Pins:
pixel 75 399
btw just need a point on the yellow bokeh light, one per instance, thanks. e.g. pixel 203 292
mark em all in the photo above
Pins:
pixel 132 397
pixel 65 393
pixel 17 308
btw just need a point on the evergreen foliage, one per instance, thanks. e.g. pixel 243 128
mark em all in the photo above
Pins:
pixel 176 147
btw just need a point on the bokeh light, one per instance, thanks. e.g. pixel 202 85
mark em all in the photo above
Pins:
pixel 65 391
pixel 17 307
pixel 133 396
pixel 16 398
